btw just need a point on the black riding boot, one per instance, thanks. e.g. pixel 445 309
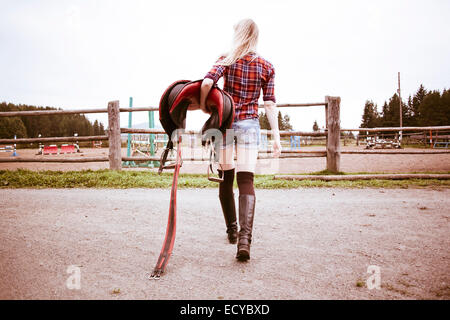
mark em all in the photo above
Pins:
pixel 229 213
pixel 246 215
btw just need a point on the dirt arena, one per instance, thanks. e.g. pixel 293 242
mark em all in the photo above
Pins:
pixel 312 243
pixel 349 162
pixel 308 244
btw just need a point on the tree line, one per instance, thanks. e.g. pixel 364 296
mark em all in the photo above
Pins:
pixel 284 122
pixel 46 126
pixel 425 108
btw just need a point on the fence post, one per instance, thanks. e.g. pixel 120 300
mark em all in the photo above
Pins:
pixel 334 134
pixel 115 152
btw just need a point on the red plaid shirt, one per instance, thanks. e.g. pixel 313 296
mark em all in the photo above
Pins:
pixel 244 80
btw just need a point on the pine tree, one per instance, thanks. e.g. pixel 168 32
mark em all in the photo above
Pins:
pixel 283 122
pixel 430 110
pixel 101 129
pixel 417 101
pixel 10 127
pixel 287 122
pixel 409 120
pixel 264 121
pixel 96 128
pixel 445 104
pixel 370 118
pixel 280 121
pixel 391 112
pixel 425 108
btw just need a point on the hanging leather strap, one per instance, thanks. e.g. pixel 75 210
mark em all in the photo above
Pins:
pixel 169 239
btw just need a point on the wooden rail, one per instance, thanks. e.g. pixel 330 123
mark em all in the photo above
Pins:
pixel 152 131
pixel 287 154
pixel 288 105
pixel 263 131
pixel 64 112
pixel 105 110
pixel 263 155
pixel 59 160
pixel 297 133
pixel 363 177
pixel 435 128
pixel 54 139
pixel 394 152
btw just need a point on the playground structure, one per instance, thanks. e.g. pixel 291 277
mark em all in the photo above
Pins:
pixel 331 135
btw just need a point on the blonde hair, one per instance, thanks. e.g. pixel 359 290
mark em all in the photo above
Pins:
pixel 245 40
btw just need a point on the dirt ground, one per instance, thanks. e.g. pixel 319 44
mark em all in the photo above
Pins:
pixel 308 244
pixel 349 162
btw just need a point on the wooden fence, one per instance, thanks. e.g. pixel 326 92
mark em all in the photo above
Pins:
pixel 114 132
pixel 332 133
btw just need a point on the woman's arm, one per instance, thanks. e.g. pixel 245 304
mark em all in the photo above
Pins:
pixel 204 90
pixel 272 116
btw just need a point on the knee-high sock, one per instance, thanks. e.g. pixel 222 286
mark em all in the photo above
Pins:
pixel 245 182
pixel 226 187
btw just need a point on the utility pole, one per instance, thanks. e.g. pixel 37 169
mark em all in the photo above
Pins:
pixel 400 108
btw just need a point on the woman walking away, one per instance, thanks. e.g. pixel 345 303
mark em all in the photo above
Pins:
pixel 245 74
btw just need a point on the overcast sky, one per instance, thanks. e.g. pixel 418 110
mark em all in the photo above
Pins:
pixel 79 54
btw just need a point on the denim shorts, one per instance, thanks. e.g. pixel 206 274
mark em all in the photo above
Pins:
pixel 245 133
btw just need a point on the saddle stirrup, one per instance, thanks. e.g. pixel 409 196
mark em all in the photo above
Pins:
pixel 171 165
pixel 210 171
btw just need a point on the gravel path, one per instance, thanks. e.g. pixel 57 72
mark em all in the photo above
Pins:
pixel 308 244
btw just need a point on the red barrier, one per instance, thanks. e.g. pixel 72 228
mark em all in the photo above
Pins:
pixel 53 149
pixel 68 148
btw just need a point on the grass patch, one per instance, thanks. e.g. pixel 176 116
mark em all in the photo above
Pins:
pixel 325 172
pixel 149 179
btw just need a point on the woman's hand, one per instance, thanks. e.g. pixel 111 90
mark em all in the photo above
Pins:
pixel 276 148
